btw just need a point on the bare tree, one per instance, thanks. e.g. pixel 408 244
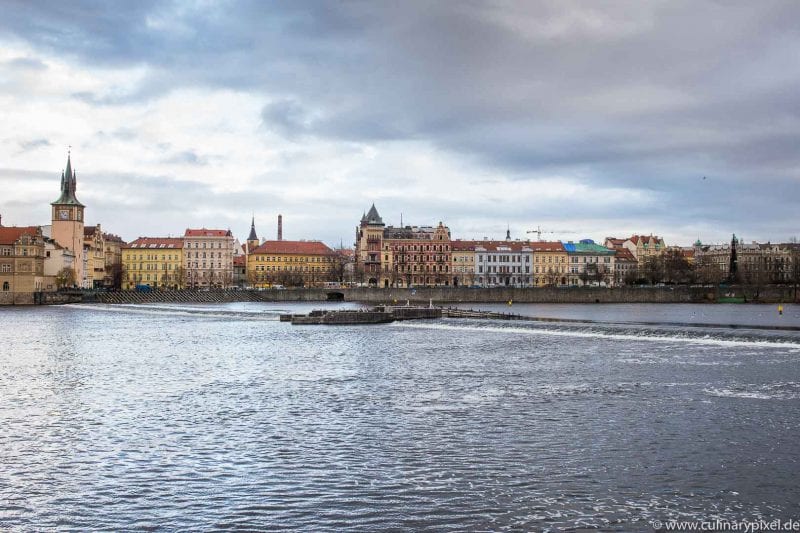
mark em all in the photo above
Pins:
pixel 66 277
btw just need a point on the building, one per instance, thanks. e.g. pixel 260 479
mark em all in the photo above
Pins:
pixel 590 263
pixel 157 262
pixel 22 255
pixel 59 265
pixel 113 260
pixel 240 270
pixel 626 268
pixel 292 263
pixel 94 255
pixel 208 258
pixel 463 263
pixel 550 264
pixel 503 263
pixel 756 263
pixel 67 217
pixel 642 247
pixel 405 256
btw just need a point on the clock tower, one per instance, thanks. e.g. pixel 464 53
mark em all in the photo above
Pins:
pixel 68 220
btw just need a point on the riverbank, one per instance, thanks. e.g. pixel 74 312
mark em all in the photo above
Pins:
pixel 446 295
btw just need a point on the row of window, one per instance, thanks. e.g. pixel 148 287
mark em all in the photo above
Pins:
pixel 417 258
pixel 413 268
pixel 289 268
pixel 197 245
pixel 504 259
pixel 503 269
pixel 293 259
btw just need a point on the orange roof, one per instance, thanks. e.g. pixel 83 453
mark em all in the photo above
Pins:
pixel 463 246
pixel 623 254
pixel 493 246
pixel 203 232
pixel 293 247
pixel 11 234
pixel 636 238
pixel 155 243
pixel 239 260
pixel 545 246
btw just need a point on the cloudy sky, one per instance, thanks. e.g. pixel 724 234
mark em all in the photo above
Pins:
pixel 587 119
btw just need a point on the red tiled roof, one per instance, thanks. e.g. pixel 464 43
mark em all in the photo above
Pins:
pixel 11 234
pixel 239 260
pixel 463 246
pixel 293 247
pixel 545 246
pixel 623 254
pixel 203 232
pixel 493 246
pixel 155 243
pixel 646 238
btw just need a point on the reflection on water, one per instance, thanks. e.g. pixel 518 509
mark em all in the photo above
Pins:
pixel 219 416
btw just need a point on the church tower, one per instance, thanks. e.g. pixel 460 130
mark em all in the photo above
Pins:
pixel 68 219
pixel 252 239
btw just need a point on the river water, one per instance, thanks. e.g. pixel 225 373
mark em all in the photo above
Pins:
pixel 200 417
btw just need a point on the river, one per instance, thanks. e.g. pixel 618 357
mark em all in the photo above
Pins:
pixel 200 417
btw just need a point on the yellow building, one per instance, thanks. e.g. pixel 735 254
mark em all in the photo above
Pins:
pixel 153 261
pixel 463 262
pixel 292 263
pixel 94 256
pixel 550 264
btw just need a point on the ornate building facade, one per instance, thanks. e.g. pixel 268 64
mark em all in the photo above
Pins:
pixel 22 254
pixel 407 256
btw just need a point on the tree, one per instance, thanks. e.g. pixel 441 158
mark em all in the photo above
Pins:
pixel 66 277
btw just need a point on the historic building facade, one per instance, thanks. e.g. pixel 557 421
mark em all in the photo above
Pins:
pixel 291 263
pixel 22 254
pixel 550 264
pixel 406 256
pixel 503 263
pixel 463 266
pixel 157 262
pixel 67 221
pixel 590 264
pixel 208 258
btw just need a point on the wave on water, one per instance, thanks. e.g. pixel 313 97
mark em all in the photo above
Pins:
pixel 267 315
pixel 595 331
pixel 770 391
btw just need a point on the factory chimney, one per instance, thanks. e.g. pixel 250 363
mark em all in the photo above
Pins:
pixel 280 227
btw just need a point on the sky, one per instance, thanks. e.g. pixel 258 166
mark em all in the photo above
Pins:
pixel 584 119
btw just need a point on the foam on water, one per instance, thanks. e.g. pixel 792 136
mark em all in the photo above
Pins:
pixel 609 334
pixel 770 391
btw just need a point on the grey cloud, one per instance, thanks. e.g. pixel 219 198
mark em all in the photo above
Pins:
pixel 33 144
pixel 647 96
pixel 187 157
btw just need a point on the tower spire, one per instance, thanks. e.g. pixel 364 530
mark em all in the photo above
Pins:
pixel 252 236
pixel 69 184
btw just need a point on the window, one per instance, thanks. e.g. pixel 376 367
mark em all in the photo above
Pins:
pixel 6 286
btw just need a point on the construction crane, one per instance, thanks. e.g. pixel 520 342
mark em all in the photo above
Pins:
pixel 538 231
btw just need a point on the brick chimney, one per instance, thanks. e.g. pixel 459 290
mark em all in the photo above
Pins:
pixel 280 227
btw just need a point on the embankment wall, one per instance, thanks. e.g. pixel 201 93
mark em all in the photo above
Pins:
pixel 441 295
